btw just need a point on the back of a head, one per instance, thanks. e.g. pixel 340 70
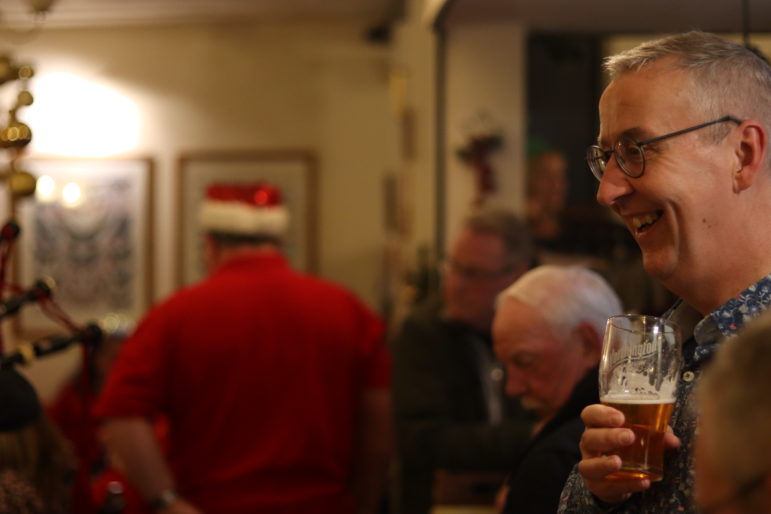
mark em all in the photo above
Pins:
pixel 31 447
pixel 506 225
pixel 237 214
pixel 20 403
pixel 566 296
pixel 736 385
pixel 727 78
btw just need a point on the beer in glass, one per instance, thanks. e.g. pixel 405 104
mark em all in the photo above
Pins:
pixel 639 371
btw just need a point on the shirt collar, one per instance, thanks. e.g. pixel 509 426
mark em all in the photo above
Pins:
pixel 727 319
pixel 733 314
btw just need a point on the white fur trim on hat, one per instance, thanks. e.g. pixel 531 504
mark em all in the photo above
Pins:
pixel 240 218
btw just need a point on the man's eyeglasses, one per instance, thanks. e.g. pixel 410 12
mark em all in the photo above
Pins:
pixel 471 273
pixel 629 153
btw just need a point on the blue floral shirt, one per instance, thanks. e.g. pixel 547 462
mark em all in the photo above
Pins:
pixel 674 493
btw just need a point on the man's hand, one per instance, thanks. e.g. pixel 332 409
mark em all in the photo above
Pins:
pixel 604 435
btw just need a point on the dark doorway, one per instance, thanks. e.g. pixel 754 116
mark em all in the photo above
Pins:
pixel 563 88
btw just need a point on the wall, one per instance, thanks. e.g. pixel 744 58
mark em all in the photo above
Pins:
pixel 246 86
pixel 485 88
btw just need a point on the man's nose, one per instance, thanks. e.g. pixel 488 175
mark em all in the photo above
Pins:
pixel 614 184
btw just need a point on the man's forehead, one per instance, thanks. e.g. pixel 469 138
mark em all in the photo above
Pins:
pixel 527 325
pixel 644 103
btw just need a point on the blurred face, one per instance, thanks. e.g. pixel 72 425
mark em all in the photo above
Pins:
pixel 679 210
pixel 715 493
pixel 541 367
pixel 477 270
pixel 548 182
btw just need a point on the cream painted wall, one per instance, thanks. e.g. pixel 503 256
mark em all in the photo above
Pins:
pixel 414 52
pixel 252 85
pixel 247 86
pixel 485 90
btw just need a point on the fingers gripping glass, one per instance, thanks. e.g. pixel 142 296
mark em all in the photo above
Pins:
pixel 629 153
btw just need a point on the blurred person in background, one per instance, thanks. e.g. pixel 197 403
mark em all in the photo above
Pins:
pixel 733 445
pixel 275 383
pixel 453 419
pixel 37 467
pixel 548 331
pixel 71 408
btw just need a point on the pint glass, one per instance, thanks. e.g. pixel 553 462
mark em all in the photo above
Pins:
pixel 639 371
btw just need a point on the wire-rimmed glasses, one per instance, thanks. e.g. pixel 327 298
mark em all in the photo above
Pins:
pixel 629 153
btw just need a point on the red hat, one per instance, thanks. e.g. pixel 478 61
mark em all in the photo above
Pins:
pixel 246 209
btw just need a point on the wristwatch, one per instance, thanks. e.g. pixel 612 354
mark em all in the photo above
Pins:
pixel 164 499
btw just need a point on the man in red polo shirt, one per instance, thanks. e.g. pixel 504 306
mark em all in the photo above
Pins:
pixel 275 383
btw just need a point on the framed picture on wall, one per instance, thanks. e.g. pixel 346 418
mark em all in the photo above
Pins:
pixel 89 229
pixel 293 171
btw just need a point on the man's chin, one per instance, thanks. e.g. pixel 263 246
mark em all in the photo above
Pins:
pixel 658 261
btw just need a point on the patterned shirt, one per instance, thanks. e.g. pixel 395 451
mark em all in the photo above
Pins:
pixel 674 493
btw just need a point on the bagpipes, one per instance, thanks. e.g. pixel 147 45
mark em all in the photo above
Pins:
pixel 90 336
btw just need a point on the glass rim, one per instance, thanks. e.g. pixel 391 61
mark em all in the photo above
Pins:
pixel 648 320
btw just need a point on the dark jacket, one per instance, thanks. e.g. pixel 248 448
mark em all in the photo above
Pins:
pixel 441 413
pixel 536 483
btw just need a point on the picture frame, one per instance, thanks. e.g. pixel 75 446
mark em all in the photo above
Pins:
pixel 292 171
pixel 89 227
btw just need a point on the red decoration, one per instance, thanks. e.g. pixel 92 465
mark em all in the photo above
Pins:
pixel 258 195
pixel 476 154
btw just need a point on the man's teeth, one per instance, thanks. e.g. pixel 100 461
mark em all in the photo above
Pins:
pixel 641 221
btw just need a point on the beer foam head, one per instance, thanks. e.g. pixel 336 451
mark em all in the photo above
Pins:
pixel 631 399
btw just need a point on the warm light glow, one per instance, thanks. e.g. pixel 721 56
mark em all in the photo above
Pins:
pixel 45 190
pixel 71 195
pixel 73 116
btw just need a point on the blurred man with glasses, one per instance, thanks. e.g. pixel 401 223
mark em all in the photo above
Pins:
pixel 682 158
pixel 451 410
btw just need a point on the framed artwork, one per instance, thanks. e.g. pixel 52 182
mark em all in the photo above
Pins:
pixel 89 229
pixel 293 171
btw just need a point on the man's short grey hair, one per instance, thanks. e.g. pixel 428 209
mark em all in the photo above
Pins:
pixel 737 386
pixel 566 296
pixel 727 78
pixel 509 227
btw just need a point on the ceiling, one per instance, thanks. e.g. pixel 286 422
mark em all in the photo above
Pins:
pixel 599 16
pixel 92 13
pixel 617 16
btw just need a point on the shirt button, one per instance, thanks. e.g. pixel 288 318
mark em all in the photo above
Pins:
pixel 496 374
pixel 688 376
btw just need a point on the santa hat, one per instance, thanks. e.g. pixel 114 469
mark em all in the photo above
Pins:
pixel 244 209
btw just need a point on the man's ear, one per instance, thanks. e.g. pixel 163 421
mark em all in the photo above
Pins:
pixel 591 343
pixel 751 154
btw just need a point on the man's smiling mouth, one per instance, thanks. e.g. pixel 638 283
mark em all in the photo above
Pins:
pixel 643 223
